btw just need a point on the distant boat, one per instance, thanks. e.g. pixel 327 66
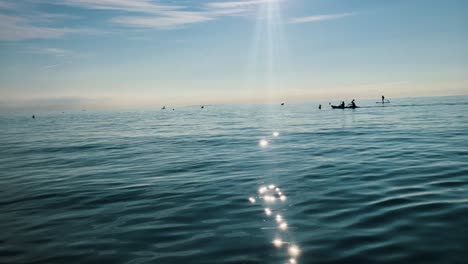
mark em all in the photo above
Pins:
pixel 343 107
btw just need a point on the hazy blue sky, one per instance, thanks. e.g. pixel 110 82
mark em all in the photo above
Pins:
pixel 147 52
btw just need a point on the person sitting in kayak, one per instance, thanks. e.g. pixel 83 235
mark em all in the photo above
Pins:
pixel 353 104
pixel 342 104
pixel 383 99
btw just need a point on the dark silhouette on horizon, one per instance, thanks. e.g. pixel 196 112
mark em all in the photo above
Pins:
pixel 351 105
pixel 384 101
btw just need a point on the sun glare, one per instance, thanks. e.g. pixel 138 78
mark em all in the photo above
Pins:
pixel 263 143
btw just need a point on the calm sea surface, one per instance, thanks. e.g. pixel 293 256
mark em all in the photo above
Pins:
pixel 371 185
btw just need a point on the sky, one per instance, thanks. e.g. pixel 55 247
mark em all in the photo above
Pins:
pixel 132 53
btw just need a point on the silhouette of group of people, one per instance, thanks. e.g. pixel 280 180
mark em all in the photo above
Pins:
pixel 352 104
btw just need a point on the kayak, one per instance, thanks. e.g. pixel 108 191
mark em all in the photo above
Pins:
pixel 343 107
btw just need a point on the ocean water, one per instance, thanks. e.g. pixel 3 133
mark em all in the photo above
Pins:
pixel 371 185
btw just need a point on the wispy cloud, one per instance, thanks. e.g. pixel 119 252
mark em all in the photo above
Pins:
pixel 174 19
pixel 237 4
pixel 6 5
pixel 18 28
pixel 22 21
pixel 131 13
pixel 235 8
pixel 319 18
pixel 141 6
pixel 57 52
pixel 53 17
pixel 143 13
pixel 150 14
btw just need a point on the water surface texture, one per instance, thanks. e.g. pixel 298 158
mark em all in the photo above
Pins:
pixel 370 185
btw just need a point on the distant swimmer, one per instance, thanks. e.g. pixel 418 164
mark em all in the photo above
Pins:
pixel 282 103
pixel 163 108
pixel 202 107
pixel 320 107
pixel 34 117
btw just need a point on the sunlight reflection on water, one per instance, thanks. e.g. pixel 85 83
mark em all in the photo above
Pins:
pixel 263 143
pixel 268 194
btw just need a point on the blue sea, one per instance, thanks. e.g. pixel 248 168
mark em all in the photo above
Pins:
pixel 237 184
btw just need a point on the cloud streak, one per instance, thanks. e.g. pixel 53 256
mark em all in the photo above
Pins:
pixel 139 6
pixel 319 18
pixel 173 20
pixel 143 13
pixel 6 5
pixel 237 4
pixel 57 52
pixel 149 14
pixel 18 28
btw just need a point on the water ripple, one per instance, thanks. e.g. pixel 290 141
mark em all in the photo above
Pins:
pixel 374 185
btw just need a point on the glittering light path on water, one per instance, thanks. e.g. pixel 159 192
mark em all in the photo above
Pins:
pixel 273 200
